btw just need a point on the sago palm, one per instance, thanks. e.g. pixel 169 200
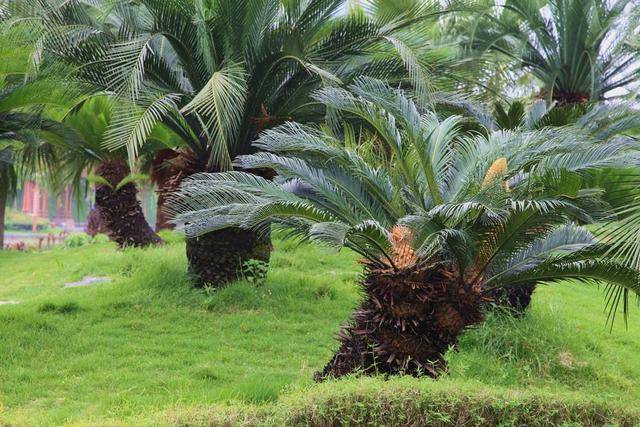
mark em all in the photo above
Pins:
pixel 579 50
pixel 218 72
pixel 116 202
pixel 63 126
pixel 441 218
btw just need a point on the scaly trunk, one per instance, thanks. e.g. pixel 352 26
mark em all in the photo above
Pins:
pixel 3 206
pixel 121 210
pixel 516 299
pixel 168 170
pixel 563 98
pixel 405 325
pixel 218 258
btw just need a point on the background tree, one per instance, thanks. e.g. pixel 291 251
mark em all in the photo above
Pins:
pixel 28 97
pixel 578 50
pixel 116 191
pixel 441 220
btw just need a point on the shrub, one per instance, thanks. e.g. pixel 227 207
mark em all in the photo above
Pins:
pixel 76 240
pixel 100 238
pixel 18 221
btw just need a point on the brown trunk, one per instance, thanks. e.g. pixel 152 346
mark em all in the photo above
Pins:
pixel 405 325
pixel 219 257
pixel 163 221
pixel 120 210
pixel 516 299
pixel 168 170
pixel 3 206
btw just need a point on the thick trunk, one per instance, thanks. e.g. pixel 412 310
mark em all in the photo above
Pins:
pixel 121 210
pixel 516 299
pixel 3 205
pixel 405 325
pixel 218 258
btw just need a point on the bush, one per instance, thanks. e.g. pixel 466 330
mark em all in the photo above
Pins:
pixel 76 240
pixel 412 402
pixel 100 238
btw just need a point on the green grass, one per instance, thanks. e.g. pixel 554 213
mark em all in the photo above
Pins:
pixel 148 349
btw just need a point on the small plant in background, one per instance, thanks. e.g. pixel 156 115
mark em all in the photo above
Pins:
pixel 77 240
pixel 209 303
pixel 255 271
pixel 100 238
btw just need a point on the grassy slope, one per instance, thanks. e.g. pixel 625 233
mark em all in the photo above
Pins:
pixel 146 347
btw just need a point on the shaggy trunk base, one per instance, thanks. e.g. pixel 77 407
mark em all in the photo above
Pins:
pixel 218 258
pixel 516 299
pixel 120 210
pixel 406 323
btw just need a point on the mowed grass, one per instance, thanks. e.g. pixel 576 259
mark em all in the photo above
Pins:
pixel 147 346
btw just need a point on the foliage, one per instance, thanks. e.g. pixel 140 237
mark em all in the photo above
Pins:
pixel 76 240
pixel 218 72
pixel 29 100
pixel 255 271
pixel 17 221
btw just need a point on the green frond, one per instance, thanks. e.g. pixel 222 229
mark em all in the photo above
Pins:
pixel 220 103
pixel 132 124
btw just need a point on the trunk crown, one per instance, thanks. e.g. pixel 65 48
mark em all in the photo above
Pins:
pixel 120 209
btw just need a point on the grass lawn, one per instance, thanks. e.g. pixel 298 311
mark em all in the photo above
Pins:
pixel 146 348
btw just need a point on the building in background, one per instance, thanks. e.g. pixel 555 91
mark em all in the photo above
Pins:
pixel 64 210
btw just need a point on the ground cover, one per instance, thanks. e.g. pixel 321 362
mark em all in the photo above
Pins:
pixel 145 348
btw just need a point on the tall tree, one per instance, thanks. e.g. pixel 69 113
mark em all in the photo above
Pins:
pixel 440 218
pixel 218 72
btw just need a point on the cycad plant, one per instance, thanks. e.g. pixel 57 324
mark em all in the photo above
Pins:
pixel 219 72
pixel 116 202
pixel 54 124
pixel 599 122
pixel 579 50
pixel 441 218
